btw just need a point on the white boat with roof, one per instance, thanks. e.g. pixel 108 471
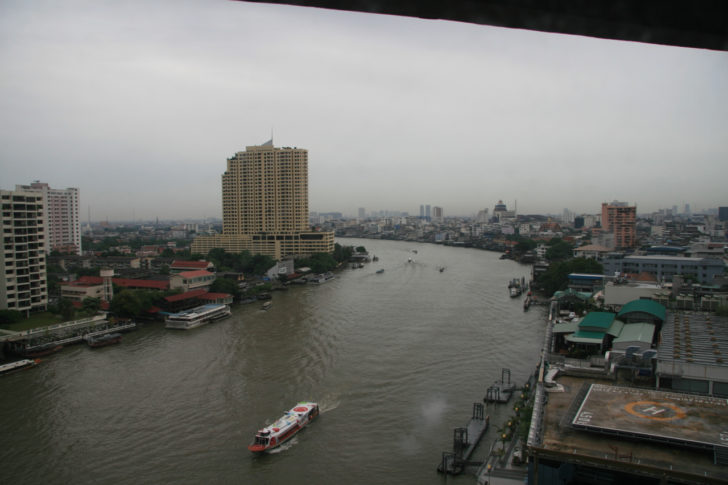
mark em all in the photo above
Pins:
pixel 285 427
pixel 18 365
pixel 197 316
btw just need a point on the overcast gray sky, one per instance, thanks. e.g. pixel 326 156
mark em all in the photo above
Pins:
pixel 139 104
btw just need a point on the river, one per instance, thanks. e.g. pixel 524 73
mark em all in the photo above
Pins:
pixel 395 361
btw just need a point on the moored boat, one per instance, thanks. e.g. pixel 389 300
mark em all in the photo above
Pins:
pixel 266 305
pixel 103 340
pixel 197 316
pixel 18 365
pixel 285 427
pixel 41 350
pixel 322 278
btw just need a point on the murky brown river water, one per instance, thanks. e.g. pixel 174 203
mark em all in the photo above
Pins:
pixel 395 360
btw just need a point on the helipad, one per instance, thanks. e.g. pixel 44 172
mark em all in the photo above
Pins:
pixel 667 417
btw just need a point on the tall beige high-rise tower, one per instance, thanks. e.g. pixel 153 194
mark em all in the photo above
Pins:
pixel 265 205
pixel 265 190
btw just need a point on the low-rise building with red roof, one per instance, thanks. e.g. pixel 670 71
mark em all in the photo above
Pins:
pixel 191 280
pixel 179 266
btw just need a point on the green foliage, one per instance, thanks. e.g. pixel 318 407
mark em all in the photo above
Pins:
pixel 242 262
pixel 10 316
pixel 90 304
pixel 81 271
pixel 722 311
pixel 319 262
pixel 164 269
pixel 167 253
pixel 66 309
pixel 558 250
pixel 361 249
pixel 259 264
pixel 131 303
pixel 225 285
pixel 342 253
pixel 556 277
pixel 525 245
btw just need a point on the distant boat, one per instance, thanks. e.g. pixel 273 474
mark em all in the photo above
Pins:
pixel 380 271
pixel 267 305
pixel 442 268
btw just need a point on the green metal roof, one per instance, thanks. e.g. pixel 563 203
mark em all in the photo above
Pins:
pixel 586 337
pixel 599 321
pixel 616 328
pixel 582 295
pixel 644 306
pixel 636 332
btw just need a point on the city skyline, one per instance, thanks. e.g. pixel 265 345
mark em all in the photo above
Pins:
pixel 140 111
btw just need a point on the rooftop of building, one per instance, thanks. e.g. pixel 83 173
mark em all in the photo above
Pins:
pixel 643 306
pixel 633 430
pixel 694 337
pixel 195 274
pixel 189 264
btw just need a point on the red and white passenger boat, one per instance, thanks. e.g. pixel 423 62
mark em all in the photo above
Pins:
pixel 285 427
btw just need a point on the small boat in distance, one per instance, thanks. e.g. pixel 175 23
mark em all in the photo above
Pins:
pixel 285 427
pixel 18 365
pixel 266 305
pixel 197 316
pixel 103 340
pixel 322 278
pixel 380 271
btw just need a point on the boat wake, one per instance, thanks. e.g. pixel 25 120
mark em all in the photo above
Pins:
pixel 328 404
pixel 285 446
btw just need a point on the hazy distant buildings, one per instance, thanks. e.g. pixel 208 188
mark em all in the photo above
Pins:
pixel 620 219
pixel 482 217
pixel 437 214
pixel 265 205
pixel 362 213
pixel 501 213
pixel 428 214
pixel 62 218
pixel 23 285
pixel 723 214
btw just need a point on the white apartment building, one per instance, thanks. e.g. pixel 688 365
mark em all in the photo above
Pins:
pixel 23 284
pixel 62 218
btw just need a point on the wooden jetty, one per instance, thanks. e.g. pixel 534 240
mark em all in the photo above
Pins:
pixel 465 440
pixel 501 391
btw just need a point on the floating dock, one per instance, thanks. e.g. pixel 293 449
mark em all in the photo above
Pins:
pixel 501 391
pixel 465 440
pixel 43 339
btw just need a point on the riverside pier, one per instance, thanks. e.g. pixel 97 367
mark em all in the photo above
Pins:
pixel 501 391
pixel 41 339
pixel 465 440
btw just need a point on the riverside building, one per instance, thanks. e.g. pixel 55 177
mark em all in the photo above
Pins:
pixel 62 217
pixel 23 284
pixel 265 205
